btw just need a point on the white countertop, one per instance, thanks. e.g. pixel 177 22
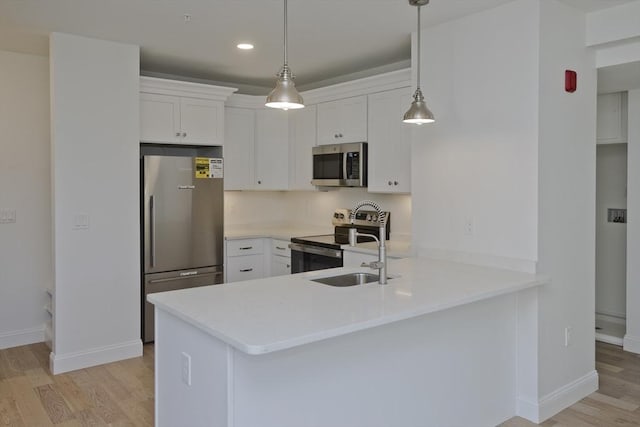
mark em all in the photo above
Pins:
pixel 395 248
pixel 271 314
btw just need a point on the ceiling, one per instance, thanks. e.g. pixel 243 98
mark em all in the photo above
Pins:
pixel 327 38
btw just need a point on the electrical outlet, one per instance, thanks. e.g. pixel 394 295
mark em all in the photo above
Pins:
pixel 468 226
pixel 186 368
pixel 7 216
pixel 568 336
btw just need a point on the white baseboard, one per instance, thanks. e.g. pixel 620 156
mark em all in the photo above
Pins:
pixel 609 339
pixel 95 356
pixel 558 400
pixel 23 337
pixel 631 344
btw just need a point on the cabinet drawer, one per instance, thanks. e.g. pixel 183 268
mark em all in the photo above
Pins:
pixel 244 247
pixel 280 247
pixel 245 268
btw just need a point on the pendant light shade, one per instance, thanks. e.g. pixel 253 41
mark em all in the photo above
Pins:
pixel 285 95
pixel 418 112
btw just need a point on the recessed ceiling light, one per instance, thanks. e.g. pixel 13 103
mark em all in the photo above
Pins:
pixel 245 46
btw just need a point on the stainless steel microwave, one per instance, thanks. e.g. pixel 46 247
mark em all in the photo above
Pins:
pixel 340 165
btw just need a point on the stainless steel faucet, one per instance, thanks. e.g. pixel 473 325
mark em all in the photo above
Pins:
pixel 381 264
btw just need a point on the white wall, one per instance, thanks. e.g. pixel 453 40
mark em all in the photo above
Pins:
pixel 515 154
pixel 632 338
pixel 611 237
pixel 95 169
pixel 313 208
pixel 566 204
pixel 25 247
pixel 478 161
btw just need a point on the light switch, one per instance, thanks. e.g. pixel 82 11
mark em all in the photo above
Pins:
pixel 81 221
pixel 7 216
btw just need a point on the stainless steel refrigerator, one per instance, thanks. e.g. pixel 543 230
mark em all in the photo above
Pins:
pixel 182 221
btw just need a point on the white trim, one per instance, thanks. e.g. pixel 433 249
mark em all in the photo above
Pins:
pixel 486 260
pixel 95 356
pixel 23 337
pixel 181 88
pixel 246 101
pixel 230 387
pixel 631 344
pixel 558 399
pixel 609 339
pixel 365 86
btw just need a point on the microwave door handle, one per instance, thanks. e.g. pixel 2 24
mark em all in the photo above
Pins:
pixel 344 166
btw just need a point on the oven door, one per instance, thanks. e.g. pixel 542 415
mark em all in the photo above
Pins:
pixel 311 258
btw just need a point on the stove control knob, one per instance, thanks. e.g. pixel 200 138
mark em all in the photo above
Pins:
pixel 336 215
pixel 341 216
pixel 375 218
pixel 368 217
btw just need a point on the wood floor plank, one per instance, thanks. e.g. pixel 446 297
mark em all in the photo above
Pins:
pixel 9 414
pixel 31 410
pixel 54 404
pixel 618 403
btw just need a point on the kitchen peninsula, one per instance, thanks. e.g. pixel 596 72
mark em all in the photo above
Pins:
pixel 442 344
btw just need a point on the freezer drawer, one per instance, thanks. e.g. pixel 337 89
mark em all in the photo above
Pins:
pixel 171 281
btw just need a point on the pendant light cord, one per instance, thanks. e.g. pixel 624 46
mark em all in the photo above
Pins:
pixel 418 81
pixel 285 33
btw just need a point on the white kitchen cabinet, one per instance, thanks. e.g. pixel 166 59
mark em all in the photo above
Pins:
pixel 177 112
pixel 238 151
pixel 271 150
pixel 302 139
pixel 342 121
pixel 245 259
pixel 612 118
pixel 179 120
pixel 389 142
pixel 280 257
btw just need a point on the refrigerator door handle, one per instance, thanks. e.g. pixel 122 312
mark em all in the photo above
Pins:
pixel 191 276
pixel 152 232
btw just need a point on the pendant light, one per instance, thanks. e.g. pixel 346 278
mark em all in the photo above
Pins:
pixel 285 95
pixel 418 113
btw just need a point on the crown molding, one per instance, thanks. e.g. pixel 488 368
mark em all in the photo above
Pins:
pixel 188 89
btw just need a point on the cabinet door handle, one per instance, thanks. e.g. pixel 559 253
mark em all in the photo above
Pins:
pixel 389 183
pixel 246 248
pixel 177 133
pixel 246 270
pixel 395 182
pixel 288 265
pixel 280 248
pixel 184 134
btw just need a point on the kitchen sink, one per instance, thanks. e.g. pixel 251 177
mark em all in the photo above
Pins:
pixel 351 279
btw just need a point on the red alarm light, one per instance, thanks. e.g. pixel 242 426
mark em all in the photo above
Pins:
pixel 570 80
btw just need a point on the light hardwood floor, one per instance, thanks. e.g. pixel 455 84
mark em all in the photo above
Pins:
pixel 117 394
pixel 121 393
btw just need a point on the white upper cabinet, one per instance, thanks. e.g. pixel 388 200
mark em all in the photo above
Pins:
pixel 612 118
pixel 159 118
pixel 177 112
pixel 271 150
pixel 238 148
pixel 342 121
pixel 389 142
pixel 302 139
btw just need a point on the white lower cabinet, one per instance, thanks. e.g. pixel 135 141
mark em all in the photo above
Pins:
pixel 245 259
pixel 280 257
